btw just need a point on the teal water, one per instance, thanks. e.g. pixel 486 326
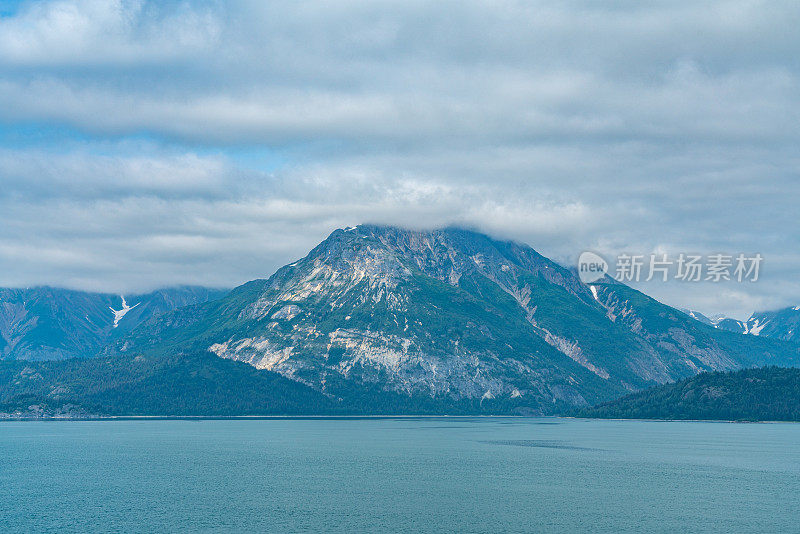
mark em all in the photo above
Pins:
pixel 402 475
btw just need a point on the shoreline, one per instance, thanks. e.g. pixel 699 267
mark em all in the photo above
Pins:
pixel 111 418
pixel 266 417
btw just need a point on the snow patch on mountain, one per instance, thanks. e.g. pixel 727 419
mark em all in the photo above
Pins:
pixel 757 327
pixel 119 314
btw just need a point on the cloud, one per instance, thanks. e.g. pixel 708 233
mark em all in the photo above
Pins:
pixel 147 143
pixel 404 72
pixel 104 33
pixel 37 175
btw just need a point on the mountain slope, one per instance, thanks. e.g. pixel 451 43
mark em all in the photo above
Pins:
pixel 684 346
pixel 732 325
pixel 697 316
pixel 181 384
pixel 780 324
pixel 451 315
pixel 44 323
pixel 763 394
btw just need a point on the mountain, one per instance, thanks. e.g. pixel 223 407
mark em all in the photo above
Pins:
pixel 451 317
pixel 778 324
pixel 731 325
pixel 697 316
pixel 764 394
pixel 45 323
pixel 718 321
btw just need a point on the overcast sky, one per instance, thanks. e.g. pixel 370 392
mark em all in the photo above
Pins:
pixel 145 144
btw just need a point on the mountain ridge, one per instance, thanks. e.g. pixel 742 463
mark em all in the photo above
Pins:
pixel 452 314
pixel 45 322
pixel 408 321
pixel 783 323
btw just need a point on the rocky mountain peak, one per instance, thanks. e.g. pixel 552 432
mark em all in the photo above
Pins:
pixel 453 316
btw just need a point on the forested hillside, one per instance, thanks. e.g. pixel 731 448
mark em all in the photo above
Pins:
pixel 764 394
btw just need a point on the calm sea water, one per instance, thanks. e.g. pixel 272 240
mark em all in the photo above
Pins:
pixel 405 475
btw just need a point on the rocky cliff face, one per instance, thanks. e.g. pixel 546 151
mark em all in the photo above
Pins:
pixel 454 315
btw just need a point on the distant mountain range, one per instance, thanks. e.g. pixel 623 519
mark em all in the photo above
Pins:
pixel 779 324
pixel 763 394
pixel 386 320
pixel 45 323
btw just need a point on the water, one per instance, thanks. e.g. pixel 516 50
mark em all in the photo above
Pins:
pixel 405 475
